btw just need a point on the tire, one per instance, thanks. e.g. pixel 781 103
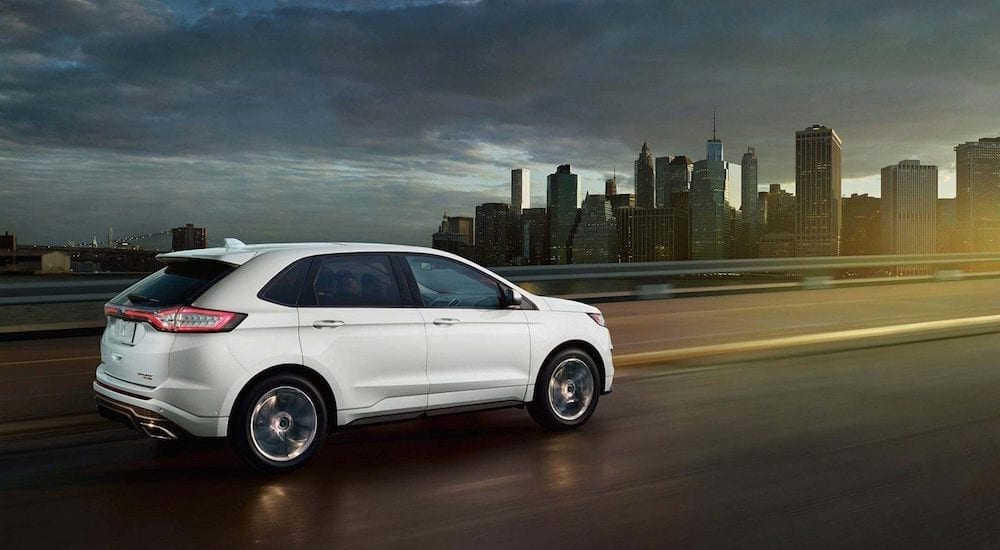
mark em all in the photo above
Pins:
pixel 566 391
pixel 278 424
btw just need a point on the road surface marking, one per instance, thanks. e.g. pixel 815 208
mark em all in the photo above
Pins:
pixel 482 484
pixel 652 357
pixel 695 310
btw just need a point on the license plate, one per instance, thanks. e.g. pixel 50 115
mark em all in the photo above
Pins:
pixel 124 331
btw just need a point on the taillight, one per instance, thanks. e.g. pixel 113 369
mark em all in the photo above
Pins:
pixel 598 318
pixel 179 318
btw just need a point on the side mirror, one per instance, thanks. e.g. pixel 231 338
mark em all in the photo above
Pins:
pixel 512 299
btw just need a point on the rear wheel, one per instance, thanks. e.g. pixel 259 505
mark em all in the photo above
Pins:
pixel 566 391
pixel 279 423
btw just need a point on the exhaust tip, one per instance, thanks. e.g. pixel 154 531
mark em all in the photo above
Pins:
pixel 157 432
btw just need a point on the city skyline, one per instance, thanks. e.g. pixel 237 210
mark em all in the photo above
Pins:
pixel 299 121
pixel 505 193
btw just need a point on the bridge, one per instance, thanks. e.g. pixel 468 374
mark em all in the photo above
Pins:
pixel 828 402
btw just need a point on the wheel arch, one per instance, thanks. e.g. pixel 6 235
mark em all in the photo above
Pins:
pixel 317 379
pixel 584 346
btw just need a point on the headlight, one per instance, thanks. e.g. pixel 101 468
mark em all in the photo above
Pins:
pixel 598 318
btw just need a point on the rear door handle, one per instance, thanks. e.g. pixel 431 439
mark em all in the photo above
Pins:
pixel 446 321
pixel 327 323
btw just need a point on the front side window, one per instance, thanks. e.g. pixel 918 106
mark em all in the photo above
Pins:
pixel 447 283
pixel 355 280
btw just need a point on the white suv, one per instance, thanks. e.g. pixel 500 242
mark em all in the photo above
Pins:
pixel 271 345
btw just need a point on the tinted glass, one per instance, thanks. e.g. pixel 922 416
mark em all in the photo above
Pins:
pixel 179 283
pixel 446 283
pixel 285 288
pixel 355 280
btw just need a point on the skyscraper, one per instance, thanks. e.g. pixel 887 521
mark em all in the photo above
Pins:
pixel 645 181
pixel 611 186
pixel 534 236
pixel 711 216
pixel 860 232
pixel 750 241
pixel 456 235
pixel 779 210
pixel 464 226
pixel 562 200
pixel 595 239
pixel 977 183
pixel 492 237
pixel 778 239
pixel 520 191
pixel 679 228
pixel 446 239
pixel 715 151
pixel 948 235
pixel 679 175
pixel 817 191
pixel 520 199
pixel 909 208
pixel 662 187
pixel 642 234
pixel 186 238
pixel 621 200
pixel 677 198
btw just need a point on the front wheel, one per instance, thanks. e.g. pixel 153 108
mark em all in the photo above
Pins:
pixel 566 391
pixel 279 423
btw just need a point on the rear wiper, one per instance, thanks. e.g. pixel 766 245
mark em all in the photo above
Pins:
pixel 140 299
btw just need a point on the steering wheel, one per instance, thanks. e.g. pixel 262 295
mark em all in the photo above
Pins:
pixel 448 301
pixel 486 302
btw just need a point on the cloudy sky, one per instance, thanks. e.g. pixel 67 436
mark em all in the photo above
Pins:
pixel 365 120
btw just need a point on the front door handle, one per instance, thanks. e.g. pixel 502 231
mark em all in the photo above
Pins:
pixel 446 321
pixel 327 323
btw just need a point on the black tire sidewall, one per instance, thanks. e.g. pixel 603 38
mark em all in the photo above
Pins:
pixel 240 437
pixel 542 409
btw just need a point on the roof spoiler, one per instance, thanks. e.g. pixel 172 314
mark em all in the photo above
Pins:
pixel 234 252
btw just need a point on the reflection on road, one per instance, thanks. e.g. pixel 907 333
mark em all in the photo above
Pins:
pixel 886 446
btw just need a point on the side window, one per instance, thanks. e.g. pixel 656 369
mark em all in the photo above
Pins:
pixel 354 280
pixel 446 283
pixel 285 288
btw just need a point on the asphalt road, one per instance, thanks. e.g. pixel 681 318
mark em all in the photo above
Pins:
pixel 895 446
pixel 48 377
pixel 51 377
pixel 676 323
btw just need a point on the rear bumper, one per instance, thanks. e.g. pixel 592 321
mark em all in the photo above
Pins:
pixel 139 408
pixel 137 418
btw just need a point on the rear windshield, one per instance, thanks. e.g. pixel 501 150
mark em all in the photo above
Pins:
pixel 178 284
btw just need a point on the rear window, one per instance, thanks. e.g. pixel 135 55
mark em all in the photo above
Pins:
pixel 178 284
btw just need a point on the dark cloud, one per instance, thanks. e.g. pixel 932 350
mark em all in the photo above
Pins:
pixel 406 107
pixel 256 198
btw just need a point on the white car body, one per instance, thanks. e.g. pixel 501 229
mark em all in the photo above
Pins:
pixel 381 363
